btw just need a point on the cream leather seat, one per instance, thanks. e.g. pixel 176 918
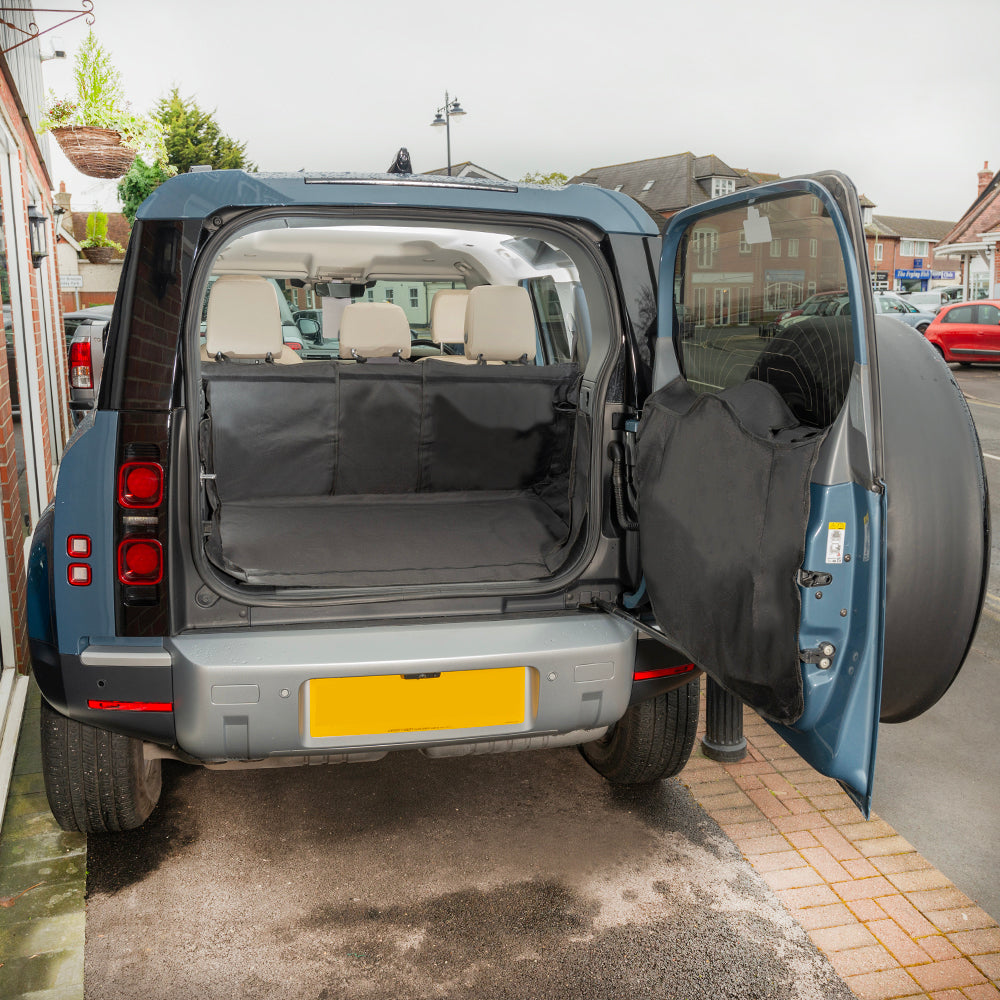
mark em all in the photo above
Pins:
pixel 499 324
pixel 374 330
pixel 244 321
pixel 448 322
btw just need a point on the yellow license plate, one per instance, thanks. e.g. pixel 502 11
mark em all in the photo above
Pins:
pixel 457 699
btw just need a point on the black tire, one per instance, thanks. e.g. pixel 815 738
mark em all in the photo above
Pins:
pixel 922 328
pixel 937 525
pixel 95 781
pixel 652 740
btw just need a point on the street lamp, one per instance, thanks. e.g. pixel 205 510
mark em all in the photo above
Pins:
pixel 444 115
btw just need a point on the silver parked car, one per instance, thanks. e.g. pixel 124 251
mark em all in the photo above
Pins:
pixel 86 356
pixel 908 312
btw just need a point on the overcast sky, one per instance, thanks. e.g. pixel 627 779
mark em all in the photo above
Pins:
pixel 902 95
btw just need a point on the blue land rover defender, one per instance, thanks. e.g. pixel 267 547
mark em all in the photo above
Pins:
pixel 521 469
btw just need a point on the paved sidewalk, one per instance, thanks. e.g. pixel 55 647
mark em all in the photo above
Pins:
pixel 41 931
pixel 891 924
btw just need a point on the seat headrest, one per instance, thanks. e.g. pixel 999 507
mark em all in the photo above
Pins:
pixel 448 315
pixel 244 320
pixel 499 324
pixel 374 330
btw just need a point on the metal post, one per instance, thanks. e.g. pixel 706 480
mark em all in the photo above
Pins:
pixel 723 740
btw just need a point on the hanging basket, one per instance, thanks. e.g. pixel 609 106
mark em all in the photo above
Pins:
pixel 98 255
pixel 96 152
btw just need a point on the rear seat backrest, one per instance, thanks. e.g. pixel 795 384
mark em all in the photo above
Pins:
pixel 448 321
pixel 244 321
pixel 499 324
pixel 374 330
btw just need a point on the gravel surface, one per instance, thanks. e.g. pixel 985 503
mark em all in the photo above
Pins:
pixel 516 876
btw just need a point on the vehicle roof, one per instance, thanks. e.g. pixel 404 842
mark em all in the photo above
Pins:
pixel 202 193
pixel 91 312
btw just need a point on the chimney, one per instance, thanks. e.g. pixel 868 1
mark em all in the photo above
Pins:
pixel 984 176
pixel 62 200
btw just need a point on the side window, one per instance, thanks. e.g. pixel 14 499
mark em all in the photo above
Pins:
pixel 551 322
pixel 989 315
pixel 959 314
pixel 745 316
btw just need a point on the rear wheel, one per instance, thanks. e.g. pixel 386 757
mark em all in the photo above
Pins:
pixel 922 328
pixel 95 781
pixel 652 740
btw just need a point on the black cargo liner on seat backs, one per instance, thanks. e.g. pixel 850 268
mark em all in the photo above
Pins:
pixel 339 474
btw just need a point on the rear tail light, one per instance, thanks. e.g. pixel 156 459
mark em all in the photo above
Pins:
pixel 140 484
pixel 648 675
pixel 81 371
pixel 294 345
pixel 132 706
pixel 140 562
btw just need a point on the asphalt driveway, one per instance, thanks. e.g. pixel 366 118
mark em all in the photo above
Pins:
pixel 516 876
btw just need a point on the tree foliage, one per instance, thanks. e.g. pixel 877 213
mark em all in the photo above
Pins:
pixel 194 136
pixel 138 184
pixel 555 179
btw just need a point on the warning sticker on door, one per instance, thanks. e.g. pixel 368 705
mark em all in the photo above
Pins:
pixel 835 542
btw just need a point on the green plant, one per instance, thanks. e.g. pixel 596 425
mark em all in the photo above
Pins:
pixel 100 103
pixel 139 183
pixel 97 233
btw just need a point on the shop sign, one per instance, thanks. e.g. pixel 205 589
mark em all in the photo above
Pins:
pixel 905 274
pixel 918 261
pixel 944 275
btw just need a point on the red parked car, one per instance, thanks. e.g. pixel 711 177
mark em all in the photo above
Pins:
pixel 967 332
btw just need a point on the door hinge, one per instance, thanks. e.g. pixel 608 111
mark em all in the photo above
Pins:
pixel 822 655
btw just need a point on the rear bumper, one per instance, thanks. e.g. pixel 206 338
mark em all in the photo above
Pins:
pixel 245 694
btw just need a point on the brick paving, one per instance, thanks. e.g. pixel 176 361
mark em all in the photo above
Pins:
pixel 891 924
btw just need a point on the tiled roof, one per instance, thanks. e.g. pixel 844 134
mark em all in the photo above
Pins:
pixel 466 169
pixel 922 229
pixel 664 183
pixel 982 216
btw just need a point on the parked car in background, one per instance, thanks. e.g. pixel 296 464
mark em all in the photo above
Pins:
pixel 893 305
pixel 933 299
pixel 967 332
pixel 86 360
pixel 72 320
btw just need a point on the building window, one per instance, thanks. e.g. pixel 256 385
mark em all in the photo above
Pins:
pixel 721 307
pixel 647 185
pixel 371 295
pixel 813 247
pixel 700 302
pixel 811 288
pixel 414 298
pixel 814 206
pixel 723 185
pixel 744 246
pixel 775 248
pixel 618 187
pixel 388 295
pixel 706 242
pixel 878 251
pixel 793 248
pixel 744 307
pixel 915 248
